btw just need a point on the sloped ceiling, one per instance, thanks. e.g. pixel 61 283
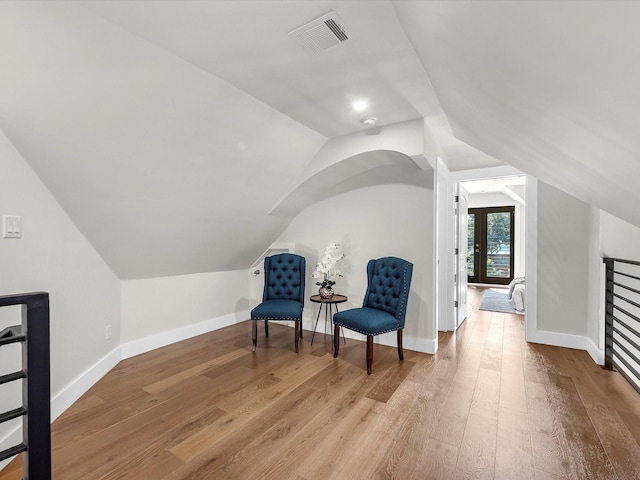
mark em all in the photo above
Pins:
pixel 548 87
pixel 246 44
pixel 169 130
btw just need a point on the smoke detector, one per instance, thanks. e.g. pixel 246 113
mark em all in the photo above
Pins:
pixel 368 121
pixel 320 34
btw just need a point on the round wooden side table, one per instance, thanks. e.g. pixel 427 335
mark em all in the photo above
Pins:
pixel 329 304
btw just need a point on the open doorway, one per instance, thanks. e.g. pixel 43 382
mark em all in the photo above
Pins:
pixel 490 236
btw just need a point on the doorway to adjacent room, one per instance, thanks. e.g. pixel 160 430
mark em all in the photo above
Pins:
pixel 489 235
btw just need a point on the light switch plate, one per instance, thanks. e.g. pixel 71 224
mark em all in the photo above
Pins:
pixel 11 226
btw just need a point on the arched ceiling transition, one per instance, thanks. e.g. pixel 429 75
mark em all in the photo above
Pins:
pixel 169 130
pixel 365 169
pixel 398 153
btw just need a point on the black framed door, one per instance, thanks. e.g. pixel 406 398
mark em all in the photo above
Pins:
pixel 490 241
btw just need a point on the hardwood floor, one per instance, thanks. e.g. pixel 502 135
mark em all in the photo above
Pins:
pixel 488 405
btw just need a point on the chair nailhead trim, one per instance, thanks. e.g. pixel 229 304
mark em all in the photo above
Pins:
pixel 366 333
pixel 276 318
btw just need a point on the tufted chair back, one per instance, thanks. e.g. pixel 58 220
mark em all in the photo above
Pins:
pixel 284 277
pixel 388 286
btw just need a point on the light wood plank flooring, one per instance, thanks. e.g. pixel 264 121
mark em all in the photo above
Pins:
pixel 488 405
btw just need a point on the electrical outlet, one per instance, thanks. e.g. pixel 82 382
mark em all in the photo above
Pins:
pixel 108 332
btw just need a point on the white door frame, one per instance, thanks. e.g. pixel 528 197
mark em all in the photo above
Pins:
pixel 446 268
pixel 461 237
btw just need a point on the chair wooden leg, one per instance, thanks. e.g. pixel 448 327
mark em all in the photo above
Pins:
pixel 254 334
pixel 400 352
pixel 266 328
pixel 297 335
pixel 336 340
pixel 369 353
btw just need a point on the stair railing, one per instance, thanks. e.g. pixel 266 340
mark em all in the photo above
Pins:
pixel 33 334
pixel 622 318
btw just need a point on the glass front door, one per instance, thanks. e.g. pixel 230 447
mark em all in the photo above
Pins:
pixel 490 240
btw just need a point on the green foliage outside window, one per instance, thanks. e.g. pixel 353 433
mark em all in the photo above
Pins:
pixel 498 231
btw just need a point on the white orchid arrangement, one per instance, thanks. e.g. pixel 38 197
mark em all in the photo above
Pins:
pixel 326 268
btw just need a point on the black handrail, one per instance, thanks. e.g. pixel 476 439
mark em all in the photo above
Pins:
pixel 35 411
pixel 622 348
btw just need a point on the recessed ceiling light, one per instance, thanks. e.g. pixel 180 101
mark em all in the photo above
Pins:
pixel 369 121
pixel 359 105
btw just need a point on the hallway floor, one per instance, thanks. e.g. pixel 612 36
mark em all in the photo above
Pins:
pixel 488 405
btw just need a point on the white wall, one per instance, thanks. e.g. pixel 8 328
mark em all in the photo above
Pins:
pixel 372 222
pixel 159 311
pixel 595 294
pixel 490 199
pixel 53 256
pixel 563 258
pixel 619 239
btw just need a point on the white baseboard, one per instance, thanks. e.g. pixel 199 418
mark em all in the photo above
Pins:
pixel 557 339
pixel 424 345
pixel 567 340
pixel 74 390
pixel 162 339
pixel 596 353
pixel 409 342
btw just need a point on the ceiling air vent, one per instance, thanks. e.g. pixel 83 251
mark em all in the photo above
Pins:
pixel 321 34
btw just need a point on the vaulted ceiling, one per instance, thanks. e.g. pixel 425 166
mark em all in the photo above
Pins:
pixel 169 130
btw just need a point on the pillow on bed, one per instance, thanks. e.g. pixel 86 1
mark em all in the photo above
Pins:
pixel 512 285
pixel 518 298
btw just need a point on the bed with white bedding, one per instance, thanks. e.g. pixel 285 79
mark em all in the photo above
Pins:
pixel 517 294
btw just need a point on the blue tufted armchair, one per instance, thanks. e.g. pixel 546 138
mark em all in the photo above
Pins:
pixel 283 294
pixel 384 306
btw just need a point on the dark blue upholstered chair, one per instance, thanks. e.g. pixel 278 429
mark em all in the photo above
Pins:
pixel 384 306
pixel 283 294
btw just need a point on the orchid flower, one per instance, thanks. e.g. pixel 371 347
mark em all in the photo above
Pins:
pixel 325 268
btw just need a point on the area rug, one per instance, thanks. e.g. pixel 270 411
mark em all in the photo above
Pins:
pixel 494 301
